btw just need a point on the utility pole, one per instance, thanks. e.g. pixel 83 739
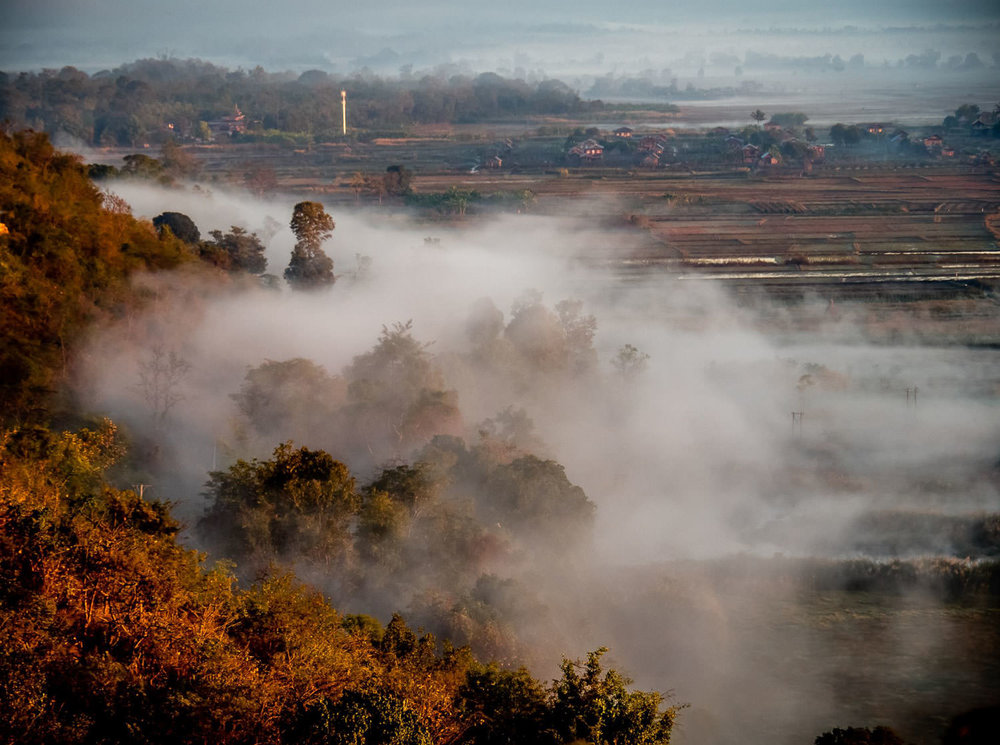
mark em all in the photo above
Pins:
pixel 343 109
pixel 914 389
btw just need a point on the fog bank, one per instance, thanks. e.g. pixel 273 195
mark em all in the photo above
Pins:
pixel 725 442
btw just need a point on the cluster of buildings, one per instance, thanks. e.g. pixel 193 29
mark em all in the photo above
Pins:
pixel 234 123
pixel 588 150
pixel 785 143
pixel 225 126
pixel 496 160
pixel 652 148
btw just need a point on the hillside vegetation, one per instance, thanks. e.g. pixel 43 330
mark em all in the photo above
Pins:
pixel 66 255
pixel 116 633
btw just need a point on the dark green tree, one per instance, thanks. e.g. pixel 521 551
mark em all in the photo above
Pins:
pixel 533 498
pixel 844 134
pixel 397 180
pixel 142 166
pixel 595 706
pixel 310 267
pixel 789 119
pixel 236 250
pixel 180 225
pixel 297 505
pixel 967 112
pixel 508 707
pixel 793 149
pixel 368 717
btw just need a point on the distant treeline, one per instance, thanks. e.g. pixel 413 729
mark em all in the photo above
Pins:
pixel 152 99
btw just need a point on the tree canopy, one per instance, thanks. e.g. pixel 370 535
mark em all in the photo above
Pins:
pixel 309 266
pixel 179 225
pixel 235 250
pixel 135 102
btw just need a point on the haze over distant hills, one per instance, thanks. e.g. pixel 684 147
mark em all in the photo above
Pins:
pixel 710 40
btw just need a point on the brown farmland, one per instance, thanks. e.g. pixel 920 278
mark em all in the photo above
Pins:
pixel 920 232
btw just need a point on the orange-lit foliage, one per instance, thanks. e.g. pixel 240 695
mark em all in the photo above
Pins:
pixel 111 626
pixel 115 633
pixel 64 260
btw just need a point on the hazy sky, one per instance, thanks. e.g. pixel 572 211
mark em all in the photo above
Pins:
pixel 340 36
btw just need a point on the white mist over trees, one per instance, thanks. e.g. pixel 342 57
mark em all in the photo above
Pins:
pixel 507 446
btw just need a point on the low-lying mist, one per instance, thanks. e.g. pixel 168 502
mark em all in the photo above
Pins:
pixel 725 463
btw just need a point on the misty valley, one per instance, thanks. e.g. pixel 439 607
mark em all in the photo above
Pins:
pixel 785 529
pixel 438 406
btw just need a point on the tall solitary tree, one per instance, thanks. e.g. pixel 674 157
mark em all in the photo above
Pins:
pixel 758 116
pixel 309 266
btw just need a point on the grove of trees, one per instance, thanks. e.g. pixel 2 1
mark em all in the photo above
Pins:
pixel 136 102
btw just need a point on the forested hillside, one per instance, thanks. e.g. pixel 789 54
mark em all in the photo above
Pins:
pixel 148 100
pixel 66 255
pixel 116 633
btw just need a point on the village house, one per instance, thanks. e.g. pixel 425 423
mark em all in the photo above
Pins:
pixel 651 143
pixel 877 129
pixel 588 150
pixel 933 143
pixel 983 124
pixel 494 161
pixel 750 154
pixel 625 132
pixel 816 153
pixel 593 149
pixel 230 124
